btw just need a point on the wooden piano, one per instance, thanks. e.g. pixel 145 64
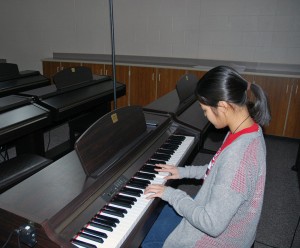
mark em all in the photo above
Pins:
pixel 12 80
pixel 92 197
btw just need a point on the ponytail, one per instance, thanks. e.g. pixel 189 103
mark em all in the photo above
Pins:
pixel 259 109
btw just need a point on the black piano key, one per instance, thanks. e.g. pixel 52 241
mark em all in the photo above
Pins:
pixel 100 226
pixel 104 217
pixel 169 146
pixel 154 161
pixel 94 232
pixel 174 142
pixel 166 151
pixel 138 183
pixel 145 175
pixel 160 156
pixel 127 198
pixel 91 237
pixel 149 169
pixel 121 203
pixel 177 138
pixel 133 192
pixel 83 244
pixel 103 222
pixel 114 213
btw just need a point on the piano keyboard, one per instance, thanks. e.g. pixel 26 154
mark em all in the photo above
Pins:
pixel 114 222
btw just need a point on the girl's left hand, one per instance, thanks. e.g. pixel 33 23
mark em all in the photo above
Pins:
pixel 154 190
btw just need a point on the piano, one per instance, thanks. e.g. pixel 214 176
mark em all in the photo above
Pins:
pixel 74 91
pixel 76 97
pixel 20 117
pixel 93 196
pixel 181 103
pixel 12 80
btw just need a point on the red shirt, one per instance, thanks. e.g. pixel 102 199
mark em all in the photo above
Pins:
pixel 229 139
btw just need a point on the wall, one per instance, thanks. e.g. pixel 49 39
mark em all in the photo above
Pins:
pixel 240 30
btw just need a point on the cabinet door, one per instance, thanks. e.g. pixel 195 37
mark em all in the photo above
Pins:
pixel 142 85
pixel 122 76
pixel 97 69
pixel 167 80
pixel 64 65
pixel 292 128
pixel 50 68
pixel 278 92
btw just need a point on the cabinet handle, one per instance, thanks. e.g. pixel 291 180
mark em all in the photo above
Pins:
pixel 159 77
pixel 287 89
pixel 296 90
pixel 153 76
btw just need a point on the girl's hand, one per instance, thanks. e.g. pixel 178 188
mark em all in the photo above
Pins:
pixel 171 169
pixel 154 190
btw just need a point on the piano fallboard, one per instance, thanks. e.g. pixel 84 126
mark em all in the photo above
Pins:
pixel 61 199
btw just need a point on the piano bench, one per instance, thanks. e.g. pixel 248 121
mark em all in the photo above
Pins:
pixel 19 168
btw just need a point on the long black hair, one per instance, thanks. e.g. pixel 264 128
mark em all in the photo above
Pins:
pixel 223 83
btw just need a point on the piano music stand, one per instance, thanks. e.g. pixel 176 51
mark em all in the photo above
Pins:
pixel 111 134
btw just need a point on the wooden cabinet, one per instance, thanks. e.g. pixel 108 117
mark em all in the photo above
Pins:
pixel 142 85
pixel 283 96
pixel 278 95
pixel 97 69
pixel 50 68
pixel 167 79
pixel 292 127
pixel 122 76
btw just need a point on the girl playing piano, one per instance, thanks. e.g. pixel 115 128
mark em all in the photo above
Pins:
pixel 226 210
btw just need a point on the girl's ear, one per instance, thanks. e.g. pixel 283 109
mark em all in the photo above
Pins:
pixel 223 106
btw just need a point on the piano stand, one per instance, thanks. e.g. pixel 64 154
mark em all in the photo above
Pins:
pixel 31 143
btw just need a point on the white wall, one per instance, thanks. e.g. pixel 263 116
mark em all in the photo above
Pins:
pixel 241 30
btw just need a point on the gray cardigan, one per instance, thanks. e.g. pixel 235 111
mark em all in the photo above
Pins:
pixel 227 208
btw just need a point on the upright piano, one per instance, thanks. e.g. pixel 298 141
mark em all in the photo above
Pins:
pixel 12 80
pixel 93 196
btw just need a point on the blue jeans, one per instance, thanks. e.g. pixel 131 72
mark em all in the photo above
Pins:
pixel 163 226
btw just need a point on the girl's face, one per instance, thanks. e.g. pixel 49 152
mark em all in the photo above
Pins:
pixel 215 115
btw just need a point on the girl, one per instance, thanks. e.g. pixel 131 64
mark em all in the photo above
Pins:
pixel 227 208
